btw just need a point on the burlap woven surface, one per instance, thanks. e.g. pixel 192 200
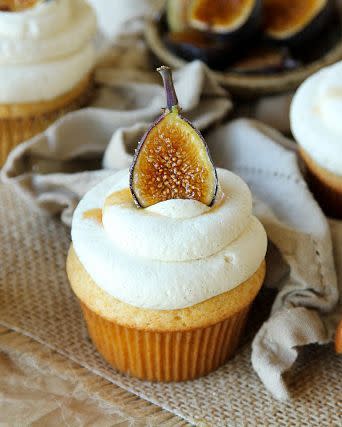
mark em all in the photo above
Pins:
pixel 36 300
pixel 42 388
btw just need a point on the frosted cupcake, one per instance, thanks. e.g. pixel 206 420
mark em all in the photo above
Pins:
pixel 167 258
pixel 46 61
pixel 316 122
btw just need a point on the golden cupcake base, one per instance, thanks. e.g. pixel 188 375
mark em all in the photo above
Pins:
pixel 19 122
pixel 165 356
pixel 326 186
pixel 168 345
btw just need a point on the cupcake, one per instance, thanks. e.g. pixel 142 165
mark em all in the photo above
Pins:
pixel 167 258
pixel 46 61
pixel 316 123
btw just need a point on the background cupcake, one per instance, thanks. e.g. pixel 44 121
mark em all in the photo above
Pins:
pixel 316 122
pixel 46 61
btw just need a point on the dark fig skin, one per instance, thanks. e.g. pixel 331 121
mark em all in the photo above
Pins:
pixel 172 107
pixel 251 27
pixel 193 44
pixel 309 31
pixel 217 49
pixel 265 60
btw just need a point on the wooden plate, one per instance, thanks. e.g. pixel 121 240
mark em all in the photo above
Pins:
pixel 244 85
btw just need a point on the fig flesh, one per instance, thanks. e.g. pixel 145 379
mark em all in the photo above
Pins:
pixel 172 160
pixel 295 22
pixel 226 17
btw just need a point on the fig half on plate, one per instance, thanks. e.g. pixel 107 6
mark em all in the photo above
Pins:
pixel 225 18
pixel 18 5
pixel 172 160
pixel 295 21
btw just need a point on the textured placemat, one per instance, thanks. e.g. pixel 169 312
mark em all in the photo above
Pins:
pixel 35 299
pixel 40 388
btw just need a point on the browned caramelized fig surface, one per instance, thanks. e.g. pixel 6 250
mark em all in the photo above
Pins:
pixel 284 20
pixel 17 5
pixel 222 16
pixel 172 160
pixel 245 35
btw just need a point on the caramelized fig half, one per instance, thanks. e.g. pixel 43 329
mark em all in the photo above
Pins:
pixel 295 21
pixel 172 160
pixel 18 5
pixel 225 17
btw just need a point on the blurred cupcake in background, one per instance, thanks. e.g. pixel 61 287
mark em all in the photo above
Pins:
pixel 46 61
pixel 316 122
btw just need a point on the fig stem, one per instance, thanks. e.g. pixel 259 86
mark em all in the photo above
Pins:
pixel 171 97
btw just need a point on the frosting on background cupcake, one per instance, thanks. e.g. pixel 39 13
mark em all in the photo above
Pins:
pixel 316 118
pixel 45 50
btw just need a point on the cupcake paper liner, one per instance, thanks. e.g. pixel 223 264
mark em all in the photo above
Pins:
pixel 328 197
pixel 19 123
pixel 326 187
pixel 166 355
pixel 164 345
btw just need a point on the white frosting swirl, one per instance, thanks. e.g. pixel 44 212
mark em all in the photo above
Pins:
pixel 44 20
pixel 316 117
pixel 54 35
pixel 195 232
pixel 174 254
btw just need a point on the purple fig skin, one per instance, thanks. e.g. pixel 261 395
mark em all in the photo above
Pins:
pixel 215 53
pixel 172 99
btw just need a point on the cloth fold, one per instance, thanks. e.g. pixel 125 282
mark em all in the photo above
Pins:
pixel 42 166
pixel 274 349
pixel 58 166
pixel 296 225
